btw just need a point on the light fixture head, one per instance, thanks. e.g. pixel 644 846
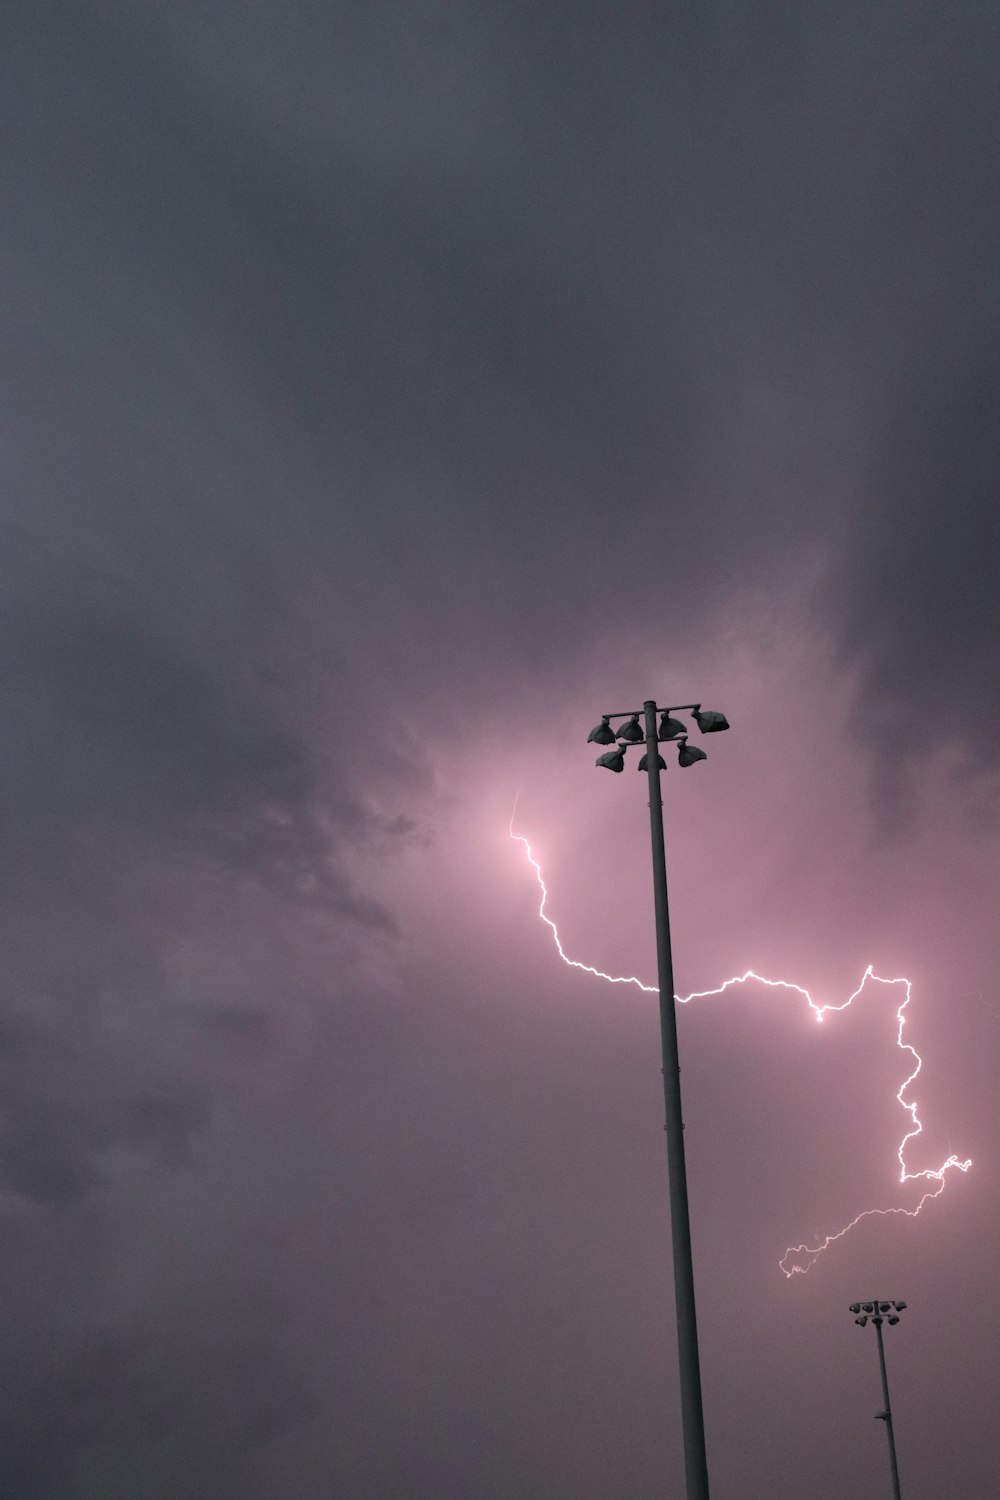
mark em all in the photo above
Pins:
pixel 892 1320
pixel 868 1307
pixel 862 1320
pixel 710 722
pixel 612 760
pixel 671 728
pixel 631 731
pixel 884 1306
pixel 603 734
pixel 689 755
pixel 878 1320
pixel 855 1307
pixel 899 1306
pixel 661 764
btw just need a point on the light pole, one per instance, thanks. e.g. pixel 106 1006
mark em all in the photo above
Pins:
pixel 675 731
pixel 877 1313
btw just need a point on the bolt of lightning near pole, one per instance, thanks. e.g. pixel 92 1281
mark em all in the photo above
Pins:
pixel 797 1259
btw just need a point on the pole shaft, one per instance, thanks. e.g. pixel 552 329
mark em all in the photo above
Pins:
pixel 888 1411
pixel 695 1462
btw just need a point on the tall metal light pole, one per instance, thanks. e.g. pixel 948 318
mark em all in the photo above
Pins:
pixel 877 1312
pixel 670 729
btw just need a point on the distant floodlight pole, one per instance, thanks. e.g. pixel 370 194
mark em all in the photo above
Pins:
pixel 695 1462
pixel 876 1311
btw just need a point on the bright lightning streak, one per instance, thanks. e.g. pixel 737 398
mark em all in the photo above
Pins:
pixel 797 1259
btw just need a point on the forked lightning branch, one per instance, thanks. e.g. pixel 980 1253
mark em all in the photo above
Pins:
pixel 798 1259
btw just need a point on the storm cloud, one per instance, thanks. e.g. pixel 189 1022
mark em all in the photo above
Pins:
pixel 389 391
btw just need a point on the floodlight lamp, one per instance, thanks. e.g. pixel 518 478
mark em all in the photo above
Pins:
pixel 868 1306
pixel 661 764
pixel 892 1320
pixel 603 734
pixel 709 722
pixel 631 731
pixel 862 1320
pixel 671 728
pixel 878 1320
pixel 855 1307
pixel 689 755
pixel 884 1306
pixel 613 760
pixel 899 1306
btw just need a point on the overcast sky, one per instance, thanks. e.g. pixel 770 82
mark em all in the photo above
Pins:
pixel 389 390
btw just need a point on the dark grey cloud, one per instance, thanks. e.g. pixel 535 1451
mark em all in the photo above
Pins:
pixel 542 314
pixel 924 560
pixel 79 1085
pixel 109 1405
pixel 122 735
pixel 570 308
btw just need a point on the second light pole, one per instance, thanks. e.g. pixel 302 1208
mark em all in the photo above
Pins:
pixel 876 1311
pixel 670 729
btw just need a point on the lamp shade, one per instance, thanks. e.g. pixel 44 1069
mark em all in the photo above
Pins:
pixel 612 760
pixel 689 755
pixel 671 728
pixel 709 722
pixel 602 734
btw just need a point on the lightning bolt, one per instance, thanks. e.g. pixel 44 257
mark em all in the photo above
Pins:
pixel 797 1259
